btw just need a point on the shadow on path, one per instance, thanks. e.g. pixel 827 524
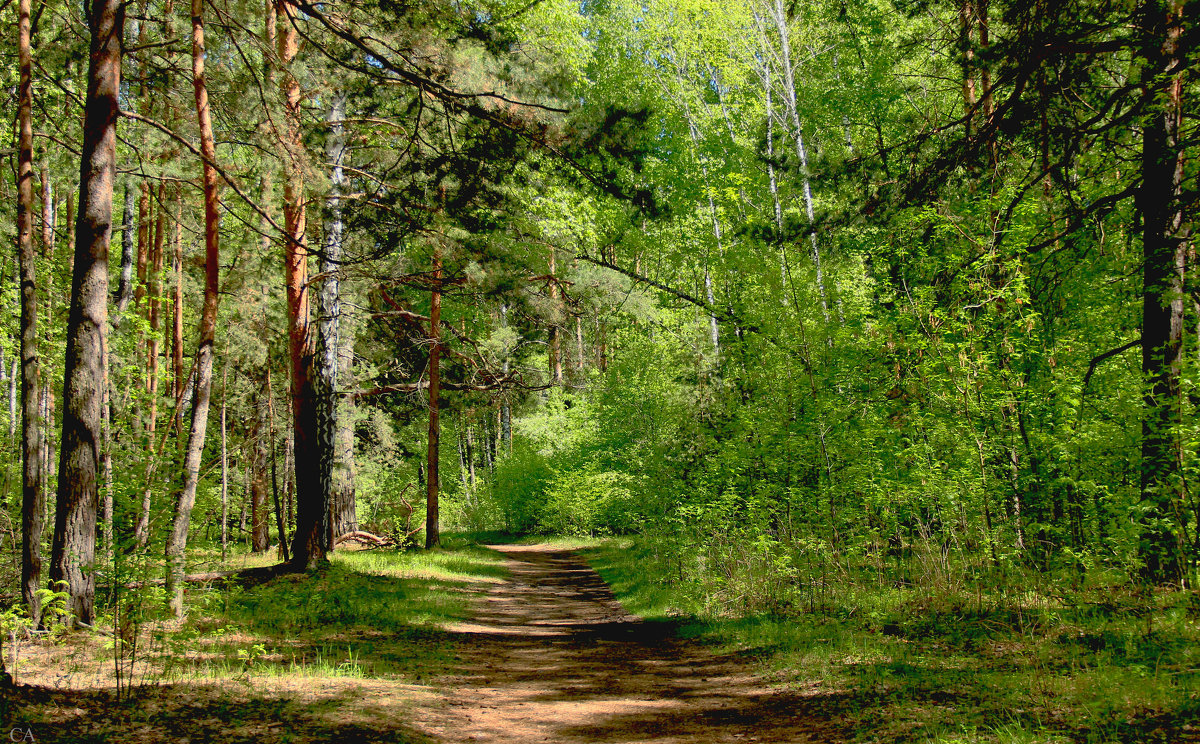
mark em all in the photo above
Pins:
pixel 550 656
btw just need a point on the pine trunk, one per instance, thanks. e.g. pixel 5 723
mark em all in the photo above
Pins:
pixel 432 530
pixel 74 545
pixel 32 495
pixel 202 391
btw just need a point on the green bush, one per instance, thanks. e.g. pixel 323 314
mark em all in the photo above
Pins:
pixel 589 502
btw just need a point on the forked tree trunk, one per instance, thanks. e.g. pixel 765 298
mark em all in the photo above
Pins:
pixel 177 541
pixel 32 495
pixel 74 545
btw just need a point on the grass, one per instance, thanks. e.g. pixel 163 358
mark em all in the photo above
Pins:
pixel 950 669
pixel 330 655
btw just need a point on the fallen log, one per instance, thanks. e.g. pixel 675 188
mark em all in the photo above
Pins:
pixel 364 538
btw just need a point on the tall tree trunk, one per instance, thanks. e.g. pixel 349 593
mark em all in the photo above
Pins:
pixel 154 316
pixel 280 517
pixel 1164 236
pixel 780 17
pixel 224 466
pixel 47 209
pixel 462 464
pixel 32 495
pixel 12 401
pixel 260 533
pixel 143 242
pixel 345 506
pixel 555 330
pixel 310 543
pixel 74 545
pixel 177 325
pixel 432 529
pixel 125 285
pixel 106 460
pixel 325 372
pixel 469 439
pixel 202 392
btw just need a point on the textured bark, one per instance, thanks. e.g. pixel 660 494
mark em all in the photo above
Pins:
pixel 154 316
pixel 32 495
pixel 260 534
pixel 280 517
pixel 125 284
pixel 224 465
pixel 47 209
pixel 1165 237
pixel 325 371
pixel 75 519
pixel 143 242
pixel 12 400
pixel 554 332
pixel 177 324
pixel 202 391
pixel 310 543
pixel 345 503
pixel 432 484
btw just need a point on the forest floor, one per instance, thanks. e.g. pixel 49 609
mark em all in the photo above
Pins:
pixel 518 644
pixel 539 651
pixel 552 657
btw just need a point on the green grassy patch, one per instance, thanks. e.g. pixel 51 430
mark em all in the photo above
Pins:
pixel 911 668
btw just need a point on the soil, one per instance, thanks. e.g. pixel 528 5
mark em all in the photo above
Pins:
pixel 548 656
pixel 551 656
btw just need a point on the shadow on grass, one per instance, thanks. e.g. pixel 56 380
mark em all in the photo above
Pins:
pixel 202 713
pixel 352 617
pixel 903 673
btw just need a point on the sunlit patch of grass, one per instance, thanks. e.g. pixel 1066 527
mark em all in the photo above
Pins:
pixel 910 665
pixel 637 580
pixel 457 564
pixel 370 613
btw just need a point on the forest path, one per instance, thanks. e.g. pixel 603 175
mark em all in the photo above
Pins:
pixel 550 656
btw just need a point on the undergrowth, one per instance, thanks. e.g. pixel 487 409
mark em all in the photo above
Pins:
pixel 964 664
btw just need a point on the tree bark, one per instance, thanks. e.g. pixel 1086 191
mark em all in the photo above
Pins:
pixel 345 503
pixel 224 466
pixel 32 495
pixel 202 392
pixel 125 285
pixel 780 17
pixel 75 519
pixel 325 372
pixel 432 530
pixel 1164 245
pixel 260 533
pixel 143 242
pixel 154 316
pixel 280 517
pixel 310 543
pixel 555 330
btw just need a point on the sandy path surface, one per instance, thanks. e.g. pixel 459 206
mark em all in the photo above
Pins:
pixel 550 656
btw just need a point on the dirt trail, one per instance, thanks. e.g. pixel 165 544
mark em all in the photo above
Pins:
pixel 552 657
